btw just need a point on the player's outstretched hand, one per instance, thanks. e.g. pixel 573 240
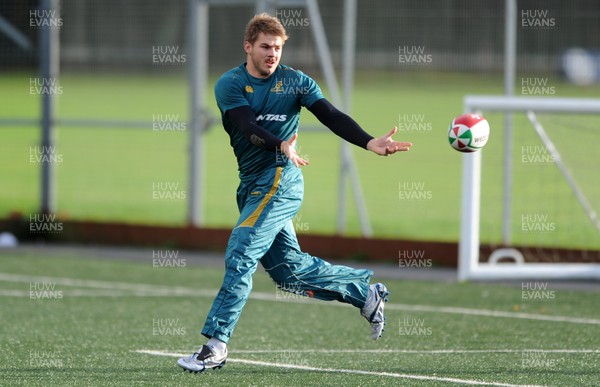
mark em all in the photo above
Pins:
pixel 289 150
pixel 385 146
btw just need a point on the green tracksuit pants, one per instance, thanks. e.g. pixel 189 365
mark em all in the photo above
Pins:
pixel 265 232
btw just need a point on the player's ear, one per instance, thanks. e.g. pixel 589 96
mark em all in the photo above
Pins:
pixel 247 46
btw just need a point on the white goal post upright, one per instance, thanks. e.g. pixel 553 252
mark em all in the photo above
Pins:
pixel 469 267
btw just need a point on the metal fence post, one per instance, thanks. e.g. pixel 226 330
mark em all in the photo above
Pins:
pixel 49 70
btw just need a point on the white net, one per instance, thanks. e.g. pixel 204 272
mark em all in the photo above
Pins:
pixel 555 194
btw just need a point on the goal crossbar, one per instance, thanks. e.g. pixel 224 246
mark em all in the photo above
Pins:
pixel 492 103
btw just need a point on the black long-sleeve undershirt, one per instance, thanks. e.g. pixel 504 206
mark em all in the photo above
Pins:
pixel 245 120
pixel 338 122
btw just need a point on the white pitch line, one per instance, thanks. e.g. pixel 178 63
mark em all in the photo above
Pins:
pixel 492 313
pixel 13 293
pixel 448 309
pixel 418 351
pixel 150 290
pixel 87 293
pixel 347 371
pixel 139 288
pixel 414 351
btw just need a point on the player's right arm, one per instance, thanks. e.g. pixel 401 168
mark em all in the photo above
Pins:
pixel 245 120
pixel 229 93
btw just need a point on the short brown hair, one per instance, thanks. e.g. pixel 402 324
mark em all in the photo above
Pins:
pixel 266 24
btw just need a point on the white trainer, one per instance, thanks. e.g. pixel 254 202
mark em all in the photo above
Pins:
pixel 204 360
pixel 373 309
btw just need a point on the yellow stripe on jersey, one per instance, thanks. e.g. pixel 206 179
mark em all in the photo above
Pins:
pixel 251 220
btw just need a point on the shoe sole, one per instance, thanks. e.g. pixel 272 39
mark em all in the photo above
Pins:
pixel 201 371
pixel 383 295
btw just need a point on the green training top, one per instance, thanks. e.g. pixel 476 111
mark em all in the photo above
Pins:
pixel 275 100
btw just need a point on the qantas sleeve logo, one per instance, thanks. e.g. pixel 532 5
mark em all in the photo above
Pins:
pixel 271 117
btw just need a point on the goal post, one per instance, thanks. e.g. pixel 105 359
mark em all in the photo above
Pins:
pixel 469 265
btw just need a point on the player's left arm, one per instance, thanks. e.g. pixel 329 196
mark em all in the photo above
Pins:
pixel 348 129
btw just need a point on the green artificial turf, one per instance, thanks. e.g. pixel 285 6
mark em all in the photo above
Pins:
pixel 96 315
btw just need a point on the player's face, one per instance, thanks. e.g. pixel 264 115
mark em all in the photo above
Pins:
pixel 263 56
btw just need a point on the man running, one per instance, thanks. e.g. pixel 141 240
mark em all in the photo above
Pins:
pixel 260 104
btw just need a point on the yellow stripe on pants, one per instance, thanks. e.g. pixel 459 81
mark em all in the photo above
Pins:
pixel 251 220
